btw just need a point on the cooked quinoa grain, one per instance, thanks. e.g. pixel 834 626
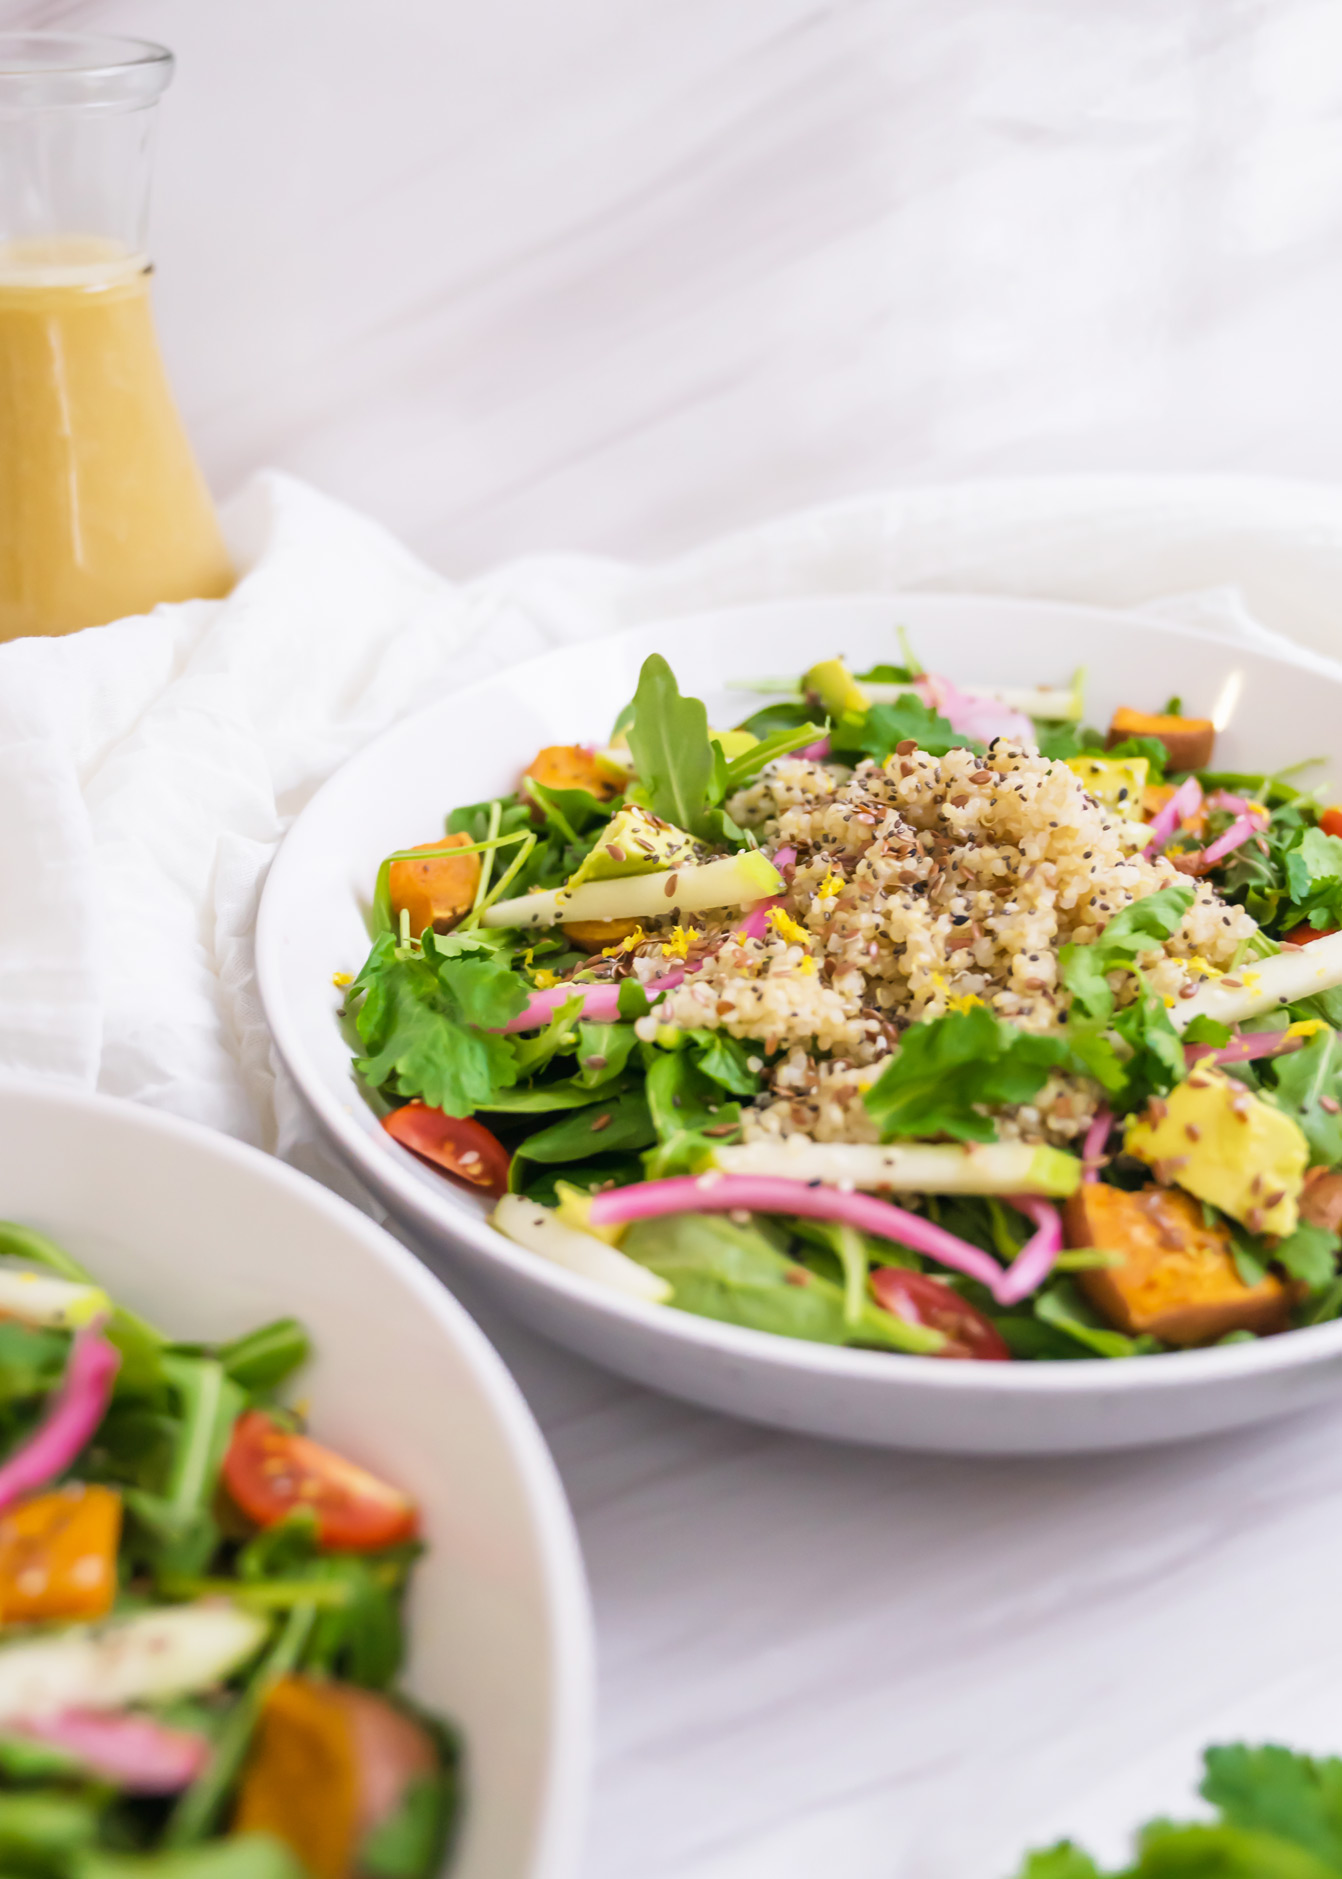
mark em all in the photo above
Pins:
pixel 919 886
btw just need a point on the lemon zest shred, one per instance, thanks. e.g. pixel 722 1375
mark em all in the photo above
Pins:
pixel 806 964
pixel 626 945
pixel 678 946
pixel 965 1002
pixel 786 927
pixel 1306 1027
pixel 341 979
pixel 832 886
pixel 1196 963
pixel 546 981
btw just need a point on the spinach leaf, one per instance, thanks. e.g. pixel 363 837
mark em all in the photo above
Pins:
pixel 738 1275
pixel 603 1052
pixel 948 1069
pixel 685 1104
pixel 602 1128
pixel 1063 1307
pixel 1139 928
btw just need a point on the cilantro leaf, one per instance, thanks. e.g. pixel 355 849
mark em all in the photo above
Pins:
pixel 1137 929
pixel 948 1069
pixel 1314 864
pixel 1149 747
pixel 1309 1255
pixel 1271 1790
pixel 416 1041
pixel 1063 1861
pixel 1307 1079
pixel 883 727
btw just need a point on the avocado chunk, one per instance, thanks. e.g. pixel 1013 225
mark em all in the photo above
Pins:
pixel 634 842
pixel 734 744
pixel 1118 782
pixel 832 685
pixel 1177 1279
pixel 1217 1139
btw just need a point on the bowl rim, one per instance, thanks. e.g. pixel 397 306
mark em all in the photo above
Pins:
pixel 564 1802
pixel 399 1178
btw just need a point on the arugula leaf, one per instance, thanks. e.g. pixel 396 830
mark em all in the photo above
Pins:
pixel 1137 929
pixel 1306 1079
pixel 738 1274
pixel 418 1036
pixel 743 769
pixel 947 1069
pixel 668 737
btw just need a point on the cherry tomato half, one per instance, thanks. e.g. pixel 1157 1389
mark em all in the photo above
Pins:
pixel 269 1471
pixel 1331 820
pixel 1303 934
pixel 917 1299
pixel 463 1147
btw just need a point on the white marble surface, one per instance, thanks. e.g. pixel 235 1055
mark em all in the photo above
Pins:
pixel 614 276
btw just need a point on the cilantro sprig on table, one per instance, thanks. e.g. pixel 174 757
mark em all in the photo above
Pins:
pixel 1278 1816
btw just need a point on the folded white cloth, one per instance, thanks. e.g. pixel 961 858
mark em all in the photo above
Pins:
pixel 148 769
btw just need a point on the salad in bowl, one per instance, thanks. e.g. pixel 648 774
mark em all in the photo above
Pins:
pixel 200 1609
pixel 903 1016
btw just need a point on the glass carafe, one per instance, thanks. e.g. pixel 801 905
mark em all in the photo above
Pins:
pixel 103 511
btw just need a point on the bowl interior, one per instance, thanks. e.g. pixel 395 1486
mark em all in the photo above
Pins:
pixel 397 791
pixel 208 1238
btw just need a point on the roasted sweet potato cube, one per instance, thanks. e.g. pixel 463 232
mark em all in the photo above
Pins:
pixel 437 891
pixel 1188 741
pixel 328 1763
pixel 592 936
pixel 1321 1202
pixel 58 1555
pixel 1178 1280
pixel 572 766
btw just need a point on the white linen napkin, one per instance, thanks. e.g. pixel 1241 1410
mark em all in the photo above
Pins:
pixel 148 769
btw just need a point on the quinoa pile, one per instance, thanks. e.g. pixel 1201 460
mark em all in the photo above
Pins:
pixel 919 886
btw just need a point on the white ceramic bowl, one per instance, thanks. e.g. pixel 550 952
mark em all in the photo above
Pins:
pixel 398 790
pixel 208 1239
